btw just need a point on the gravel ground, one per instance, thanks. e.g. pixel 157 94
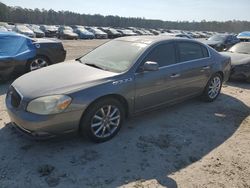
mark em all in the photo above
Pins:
pixel 192 144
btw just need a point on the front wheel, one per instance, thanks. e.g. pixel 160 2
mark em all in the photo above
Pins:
pixel 213 88
pixel 103 120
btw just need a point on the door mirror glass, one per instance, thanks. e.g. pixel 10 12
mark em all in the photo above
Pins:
pixel 150 66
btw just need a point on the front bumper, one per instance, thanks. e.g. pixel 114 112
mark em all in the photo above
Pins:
pixel 44 126
pixel 240 73
pixel 70 37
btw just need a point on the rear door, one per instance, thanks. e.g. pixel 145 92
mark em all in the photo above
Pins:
pixel 195 64
pixel 158 87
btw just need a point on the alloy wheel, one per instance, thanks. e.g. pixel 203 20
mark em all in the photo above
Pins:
pixel 105 121
pixel 38 63
pixel 214 87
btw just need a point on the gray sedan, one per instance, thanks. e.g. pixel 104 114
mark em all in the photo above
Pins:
pixel 123 77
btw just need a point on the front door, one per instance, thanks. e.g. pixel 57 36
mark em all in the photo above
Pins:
pixel 154 88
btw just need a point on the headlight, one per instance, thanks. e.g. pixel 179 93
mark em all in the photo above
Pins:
pixel 49 104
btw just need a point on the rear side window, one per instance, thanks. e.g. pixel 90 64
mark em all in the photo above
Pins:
pixel 163 54
pixel 190 51
pixel 204 51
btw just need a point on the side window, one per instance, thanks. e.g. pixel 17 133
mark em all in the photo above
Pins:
pixel 190 51
pixel 229 39
pixel 204 51
pixel 163 54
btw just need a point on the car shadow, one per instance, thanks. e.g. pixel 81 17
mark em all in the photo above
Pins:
pixel 4 87
pixel 239 84
pixel 149 147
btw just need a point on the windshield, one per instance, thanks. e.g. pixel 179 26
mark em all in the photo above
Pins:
pixel 218 38
pixel 243 48
pixel 50 27
pixel 23 28
pixel 128 32
pixel 83 31
pixel 115 56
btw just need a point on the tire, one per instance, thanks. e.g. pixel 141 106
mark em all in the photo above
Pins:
pixel 213 88
pixel 44 62
pixel 248 79
pixel 101 130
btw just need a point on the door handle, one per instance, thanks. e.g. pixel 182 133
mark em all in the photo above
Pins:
pixel 175 76
pixel 206 67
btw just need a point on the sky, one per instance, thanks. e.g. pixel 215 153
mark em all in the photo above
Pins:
pixel 168 10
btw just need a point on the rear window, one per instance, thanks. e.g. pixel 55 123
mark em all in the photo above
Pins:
pixel 191 51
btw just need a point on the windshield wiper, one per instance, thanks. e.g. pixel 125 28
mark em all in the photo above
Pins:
pixel 94 65
pixel 78 59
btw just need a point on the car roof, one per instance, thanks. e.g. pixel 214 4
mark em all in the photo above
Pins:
pixel 11 34
pixel 153 39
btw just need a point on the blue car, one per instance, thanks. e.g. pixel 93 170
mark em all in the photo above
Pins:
pixel 84 33
pixel 20 54
pixel 244 36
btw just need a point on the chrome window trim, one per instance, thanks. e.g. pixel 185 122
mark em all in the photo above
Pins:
pixel 184 62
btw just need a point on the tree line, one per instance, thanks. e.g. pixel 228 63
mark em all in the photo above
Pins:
pixel 51 17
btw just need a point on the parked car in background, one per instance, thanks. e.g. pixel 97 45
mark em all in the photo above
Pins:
pixel 112 33
pixel 177 35
pixel 155 32
pixel 240 57
pixel 126 32
pixel 139 31
pixel 66 32
pixel 20 54
pixel 147 32
pixel 9 27
pixel 184 36
pixel 84 33
pixel 38 32
pixel 244 36
pixel 49 30
pixel 222 42
pixel 2 28
pixel 131 75
pixel 22 29
pixel 99 34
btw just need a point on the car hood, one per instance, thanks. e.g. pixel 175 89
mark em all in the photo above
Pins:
pixel 237 58
pixel 61 78
pixel 69 33
pixel 212 42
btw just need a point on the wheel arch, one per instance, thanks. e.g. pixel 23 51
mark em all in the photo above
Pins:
pixel 45 56
pixel 221 74
pixel 118 97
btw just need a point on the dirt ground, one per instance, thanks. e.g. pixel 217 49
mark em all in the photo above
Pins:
pixel 189 145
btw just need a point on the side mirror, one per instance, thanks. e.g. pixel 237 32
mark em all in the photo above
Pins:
pixel 150 66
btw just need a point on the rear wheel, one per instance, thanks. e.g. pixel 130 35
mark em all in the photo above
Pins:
pixel 103 120
pixel 213 88
pixel 37 63
pixel 248 79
